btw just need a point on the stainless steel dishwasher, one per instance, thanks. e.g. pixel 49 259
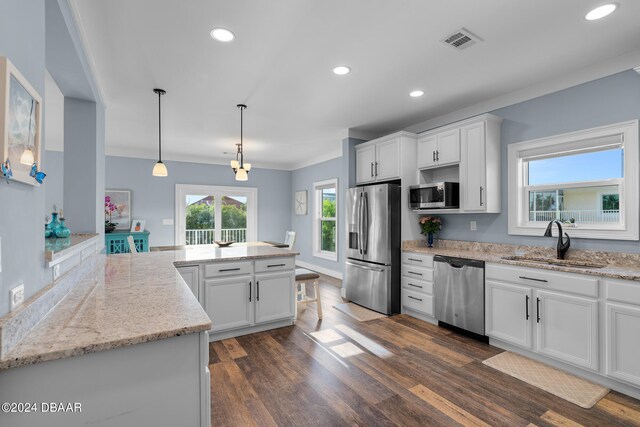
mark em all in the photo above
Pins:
pixel 459 292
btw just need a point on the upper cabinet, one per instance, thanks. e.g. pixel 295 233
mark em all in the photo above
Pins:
pixel 382 159
pixel 439 149
pixel 467 152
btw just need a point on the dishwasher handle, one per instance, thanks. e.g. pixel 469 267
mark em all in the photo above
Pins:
pixel 458 263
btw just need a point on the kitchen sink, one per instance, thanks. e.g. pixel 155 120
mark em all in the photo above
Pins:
pixel 551 261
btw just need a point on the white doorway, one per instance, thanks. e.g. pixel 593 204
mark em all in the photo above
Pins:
pixel 206 213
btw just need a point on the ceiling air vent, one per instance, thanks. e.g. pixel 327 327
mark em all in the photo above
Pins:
pixel 461 39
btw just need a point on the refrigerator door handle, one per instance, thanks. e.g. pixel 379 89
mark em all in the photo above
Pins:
pixel 379 270
pixel 365 222
pixel 359 209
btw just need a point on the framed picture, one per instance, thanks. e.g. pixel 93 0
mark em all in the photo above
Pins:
pixel 137 225
pixel 20 122
pixel 301 202
pixel 121 211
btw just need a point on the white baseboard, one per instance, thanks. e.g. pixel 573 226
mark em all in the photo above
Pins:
pixel 327 271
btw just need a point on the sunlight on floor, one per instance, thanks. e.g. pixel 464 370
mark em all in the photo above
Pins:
pixel 365 342
pixel 326 336
pixel 346 350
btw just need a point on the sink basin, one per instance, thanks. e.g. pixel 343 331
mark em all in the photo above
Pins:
pixel 551 261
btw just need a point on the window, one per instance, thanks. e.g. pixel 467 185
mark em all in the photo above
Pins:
pixel 586 179
pixel 206 213
pixel 325 231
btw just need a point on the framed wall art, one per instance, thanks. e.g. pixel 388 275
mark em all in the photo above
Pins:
pixel 20 122
pixel 121 211
pixel 301 202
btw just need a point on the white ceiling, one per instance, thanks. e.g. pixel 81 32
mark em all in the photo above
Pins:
pixel 281 60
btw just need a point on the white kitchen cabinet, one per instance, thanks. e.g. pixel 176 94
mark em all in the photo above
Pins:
pixel 623 345
pixel 474 174
pixel 508 313
pixel 274 296
pixel 190 274
pixel 229 302
pixel 439 149
pixel 417 285
pixel 365 164
pixel 567 328
pixel 384 158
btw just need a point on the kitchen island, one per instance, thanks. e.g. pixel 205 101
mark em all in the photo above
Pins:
pixel 129 341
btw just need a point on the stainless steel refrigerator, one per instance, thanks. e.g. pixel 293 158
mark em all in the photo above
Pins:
pixel 372 273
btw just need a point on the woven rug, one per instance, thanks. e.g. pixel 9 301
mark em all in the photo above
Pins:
pixel 357 312
pixel 566 386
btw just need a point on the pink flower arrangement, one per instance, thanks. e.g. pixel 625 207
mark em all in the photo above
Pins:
pixel 430 224
pixel 109 208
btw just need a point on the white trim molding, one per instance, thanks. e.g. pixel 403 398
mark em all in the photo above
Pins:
pixel 626 135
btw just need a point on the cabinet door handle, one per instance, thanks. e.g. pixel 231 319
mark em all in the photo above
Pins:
pixel 249 291
pixel 417 299
pixel 416 274
pixel 275 265
pixel 538 310
pixel 526 307
pixel 371 169
pixel 531 278
pixel 434 156
pixel 481 196
pixel 376 168
pixel 438 155
pixel 229 269
pixel 414 259
pixel 415 286
pixel 257 290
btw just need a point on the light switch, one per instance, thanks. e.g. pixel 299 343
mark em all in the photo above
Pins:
pixel 473 226
pixel 167 221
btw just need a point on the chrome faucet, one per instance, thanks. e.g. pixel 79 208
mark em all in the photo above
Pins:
pixel 563 246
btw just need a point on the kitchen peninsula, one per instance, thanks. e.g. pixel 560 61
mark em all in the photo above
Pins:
pixel 130 332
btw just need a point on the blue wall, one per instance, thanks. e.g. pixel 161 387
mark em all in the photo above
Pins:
pixel 303 179
pixel 54 190
pixel 22 40
pixel 604 101
pixel 153 198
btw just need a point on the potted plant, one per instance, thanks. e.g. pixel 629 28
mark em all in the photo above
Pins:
pixel 109 208
pixel 430 225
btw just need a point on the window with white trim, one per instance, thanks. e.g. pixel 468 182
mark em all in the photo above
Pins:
pixel 325 221
pixel 587 179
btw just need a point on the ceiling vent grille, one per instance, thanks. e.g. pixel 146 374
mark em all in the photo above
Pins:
pixel 461 39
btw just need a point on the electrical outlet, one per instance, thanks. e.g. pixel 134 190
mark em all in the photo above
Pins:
pixel 17 296
pixel 56 271
pixel 167 221
pixel 473 226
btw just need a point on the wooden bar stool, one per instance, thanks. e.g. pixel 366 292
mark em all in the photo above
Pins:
pixel 304 276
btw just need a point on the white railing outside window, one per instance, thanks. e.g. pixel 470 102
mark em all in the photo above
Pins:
pixel 207 236
pixel 580 216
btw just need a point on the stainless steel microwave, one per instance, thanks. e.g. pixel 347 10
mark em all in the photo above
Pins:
pixel 437 195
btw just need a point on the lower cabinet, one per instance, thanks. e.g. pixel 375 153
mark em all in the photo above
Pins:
pixel 561 326
pixel 508 313
pixel 229 302
pixel 623 345
pixel 190 274
pixel 274 296
pixel 568 328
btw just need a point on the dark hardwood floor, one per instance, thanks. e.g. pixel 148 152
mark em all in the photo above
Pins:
pixel 393 371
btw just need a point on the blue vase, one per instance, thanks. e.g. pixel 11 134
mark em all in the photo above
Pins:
pixel 54 224
pixel 430 240
pixel 48 232
pixel 61 231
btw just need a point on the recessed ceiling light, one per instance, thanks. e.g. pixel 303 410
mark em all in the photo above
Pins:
pixel 222 35
pixel 416 93
pixel 341 70
pixel 601 11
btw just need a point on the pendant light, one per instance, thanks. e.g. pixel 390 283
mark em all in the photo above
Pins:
pixel 159 169
pixel 240 168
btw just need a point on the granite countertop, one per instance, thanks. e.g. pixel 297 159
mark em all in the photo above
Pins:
pixel 126 299
pixel 625 272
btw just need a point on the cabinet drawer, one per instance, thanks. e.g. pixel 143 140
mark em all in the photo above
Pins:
pixel 560 281
pixel 227 269
pixel 417 285
pixel 417 301
pixel 627 291
pixel 421 260
pixel 275 264
pixel 418 273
